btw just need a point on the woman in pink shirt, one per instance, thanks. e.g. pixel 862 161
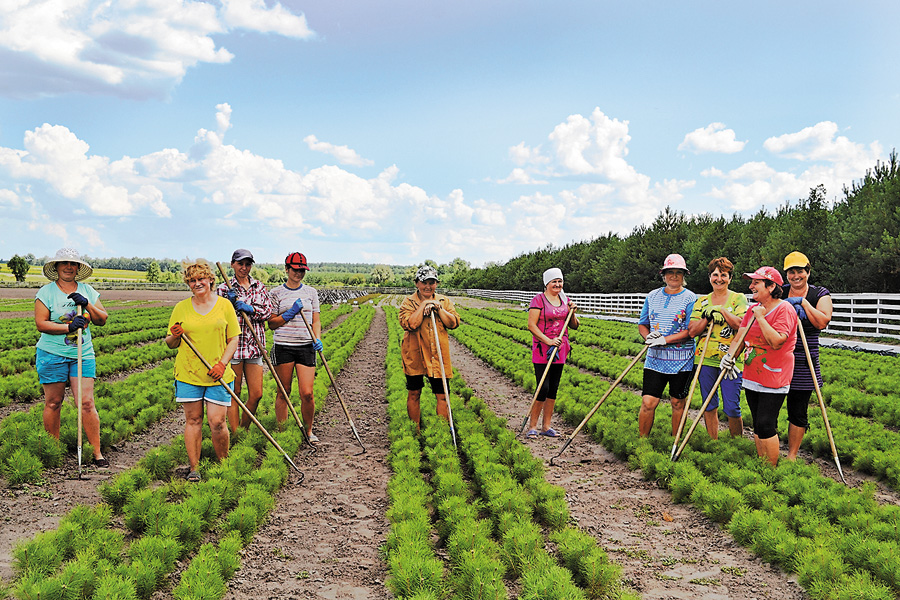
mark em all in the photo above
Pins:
pixel 768 357
pixel 546 316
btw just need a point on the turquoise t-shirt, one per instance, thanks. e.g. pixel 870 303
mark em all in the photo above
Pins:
pixel 62 310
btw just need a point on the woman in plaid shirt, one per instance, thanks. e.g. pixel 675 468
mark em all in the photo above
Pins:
pixel 249 296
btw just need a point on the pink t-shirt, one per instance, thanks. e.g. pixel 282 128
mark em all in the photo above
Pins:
pixel 550 322
pixel 763 365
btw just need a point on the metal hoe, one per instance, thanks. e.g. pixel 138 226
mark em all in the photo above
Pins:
pixel 259 344
pixel 691 392
pixel 444 378
pixel 334 385
pixel 234 397
pixel 812 372
pixel 709 396
pixel 600 401
pixel 544 376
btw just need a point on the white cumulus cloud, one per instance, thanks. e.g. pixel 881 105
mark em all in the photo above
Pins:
pixel 132 48
pixel 712 138
pixel 344 155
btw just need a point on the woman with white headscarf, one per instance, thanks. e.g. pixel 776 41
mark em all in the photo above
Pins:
pixel 546 317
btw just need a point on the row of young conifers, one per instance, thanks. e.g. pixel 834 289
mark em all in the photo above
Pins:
pixel 127 546
pixel 839 540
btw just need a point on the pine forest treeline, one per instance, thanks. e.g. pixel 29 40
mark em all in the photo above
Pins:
pixel 853 245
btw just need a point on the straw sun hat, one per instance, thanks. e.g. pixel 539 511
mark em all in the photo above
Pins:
pixel 67 255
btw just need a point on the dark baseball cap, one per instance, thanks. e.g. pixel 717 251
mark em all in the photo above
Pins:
pixel 241 254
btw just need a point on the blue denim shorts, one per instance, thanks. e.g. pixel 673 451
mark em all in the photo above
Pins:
pixel 187 392
pixel 52 368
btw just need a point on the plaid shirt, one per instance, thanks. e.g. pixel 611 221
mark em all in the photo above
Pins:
pixel 256 296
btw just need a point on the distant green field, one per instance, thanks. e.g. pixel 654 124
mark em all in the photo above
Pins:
pixel 37 274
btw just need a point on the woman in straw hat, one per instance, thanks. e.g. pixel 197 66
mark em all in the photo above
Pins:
pixel 56 315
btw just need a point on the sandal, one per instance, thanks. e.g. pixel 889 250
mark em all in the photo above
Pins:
pixel 313 438
pixel 193 476
pixel 532 433
pixel 550 432
pixel 100 463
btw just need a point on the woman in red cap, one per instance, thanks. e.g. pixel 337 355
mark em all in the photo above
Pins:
pixel 294 349
pixel 814 308
pixel 768 357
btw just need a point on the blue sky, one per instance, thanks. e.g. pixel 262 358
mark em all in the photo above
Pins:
pixel 403 130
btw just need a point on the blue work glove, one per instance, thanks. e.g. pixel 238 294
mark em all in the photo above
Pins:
pixel 797 303
pixel 231 295
pixel 317 345
pixel 78 299
pixel 78 322
pixel 293 310
pixel 244 307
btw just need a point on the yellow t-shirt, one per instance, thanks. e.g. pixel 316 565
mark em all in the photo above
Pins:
pixel 210 334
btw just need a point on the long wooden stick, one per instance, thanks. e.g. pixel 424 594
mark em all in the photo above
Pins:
pixel 812 372
pixel 737 349
pixel 334 384
pixel 79 400
pixel 691 391
pixel 234 397
pixel 544 376
pixel 262 347
pixel 600 401
pixel 443 377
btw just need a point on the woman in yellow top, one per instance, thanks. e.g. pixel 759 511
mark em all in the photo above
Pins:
pixel 211 323
pixel 722 310
pixel 419 346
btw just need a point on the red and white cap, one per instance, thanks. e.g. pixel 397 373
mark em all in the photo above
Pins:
pixel 675 261
pixel 767 273
pixel 296 260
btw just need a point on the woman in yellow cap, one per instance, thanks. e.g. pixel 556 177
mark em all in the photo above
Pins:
pixel 814 309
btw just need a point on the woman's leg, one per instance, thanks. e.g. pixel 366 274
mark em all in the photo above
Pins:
pixel 306 377
pixel 217 415
pixel 54 393
pixel 285 373
pixel 193 431
pixel 253 374
pixel 234 411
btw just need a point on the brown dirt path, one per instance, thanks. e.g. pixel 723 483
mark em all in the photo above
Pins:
pixel 323 538
pixel 689 557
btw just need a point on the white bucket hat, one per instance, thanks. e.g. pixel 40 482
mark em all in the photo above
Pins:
pixel 551 274
pixel 67 255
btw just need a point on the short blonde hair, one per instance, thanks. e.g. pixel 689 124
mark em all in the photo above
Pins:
pixel 199 269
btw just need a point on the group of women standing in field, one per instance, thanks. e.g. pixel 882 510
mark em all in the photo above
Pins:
pixel 66 307
pixel 744 346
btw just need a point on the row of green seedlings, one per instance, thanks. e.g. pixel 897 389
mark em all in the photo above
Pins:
pixel 862 384
pixel 21 332
pixel 591 332
pixel 167 522
pixel 114 353
pixel 414 567
pixel 587 357
pixel 840 541
pixel 513 492
pixel 125 407
pixel 869 447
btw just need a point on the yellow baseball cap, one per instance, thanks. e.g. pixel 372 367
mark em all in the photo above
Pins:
pixel 796 259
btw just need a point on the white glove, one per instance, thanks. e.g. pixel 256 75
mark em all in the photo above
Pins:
pixel 655 339
pixel 728 367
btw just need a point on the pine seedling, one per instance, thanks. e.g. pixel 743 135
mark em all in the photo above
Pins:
pixel 23 467
pixel 204 503
pixel 138 507
pixel 119 491
pixel 229 554
pixel 242 519
pixel 114 587
pixel 522 546
pixel 203 578
pixel 480 576
pixel 411 574
pixel 158 462
pixel 152 547
pixel 600 577
pixel 550 582
pixel 143 576
pixel 39 555
pixel 45 447
pixel 187 525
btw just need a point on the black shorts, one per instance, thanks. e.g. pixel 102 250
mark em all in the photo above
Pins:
pixel 655 382
pixel 283 354
pixel 417 382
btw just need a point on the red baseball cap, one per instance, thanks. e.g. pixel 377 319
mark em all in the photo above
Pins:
pixel 296 260
pixel 767 273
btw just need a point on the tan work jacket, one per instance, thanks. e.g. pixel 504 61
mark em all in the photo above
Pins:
pixel 418 348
